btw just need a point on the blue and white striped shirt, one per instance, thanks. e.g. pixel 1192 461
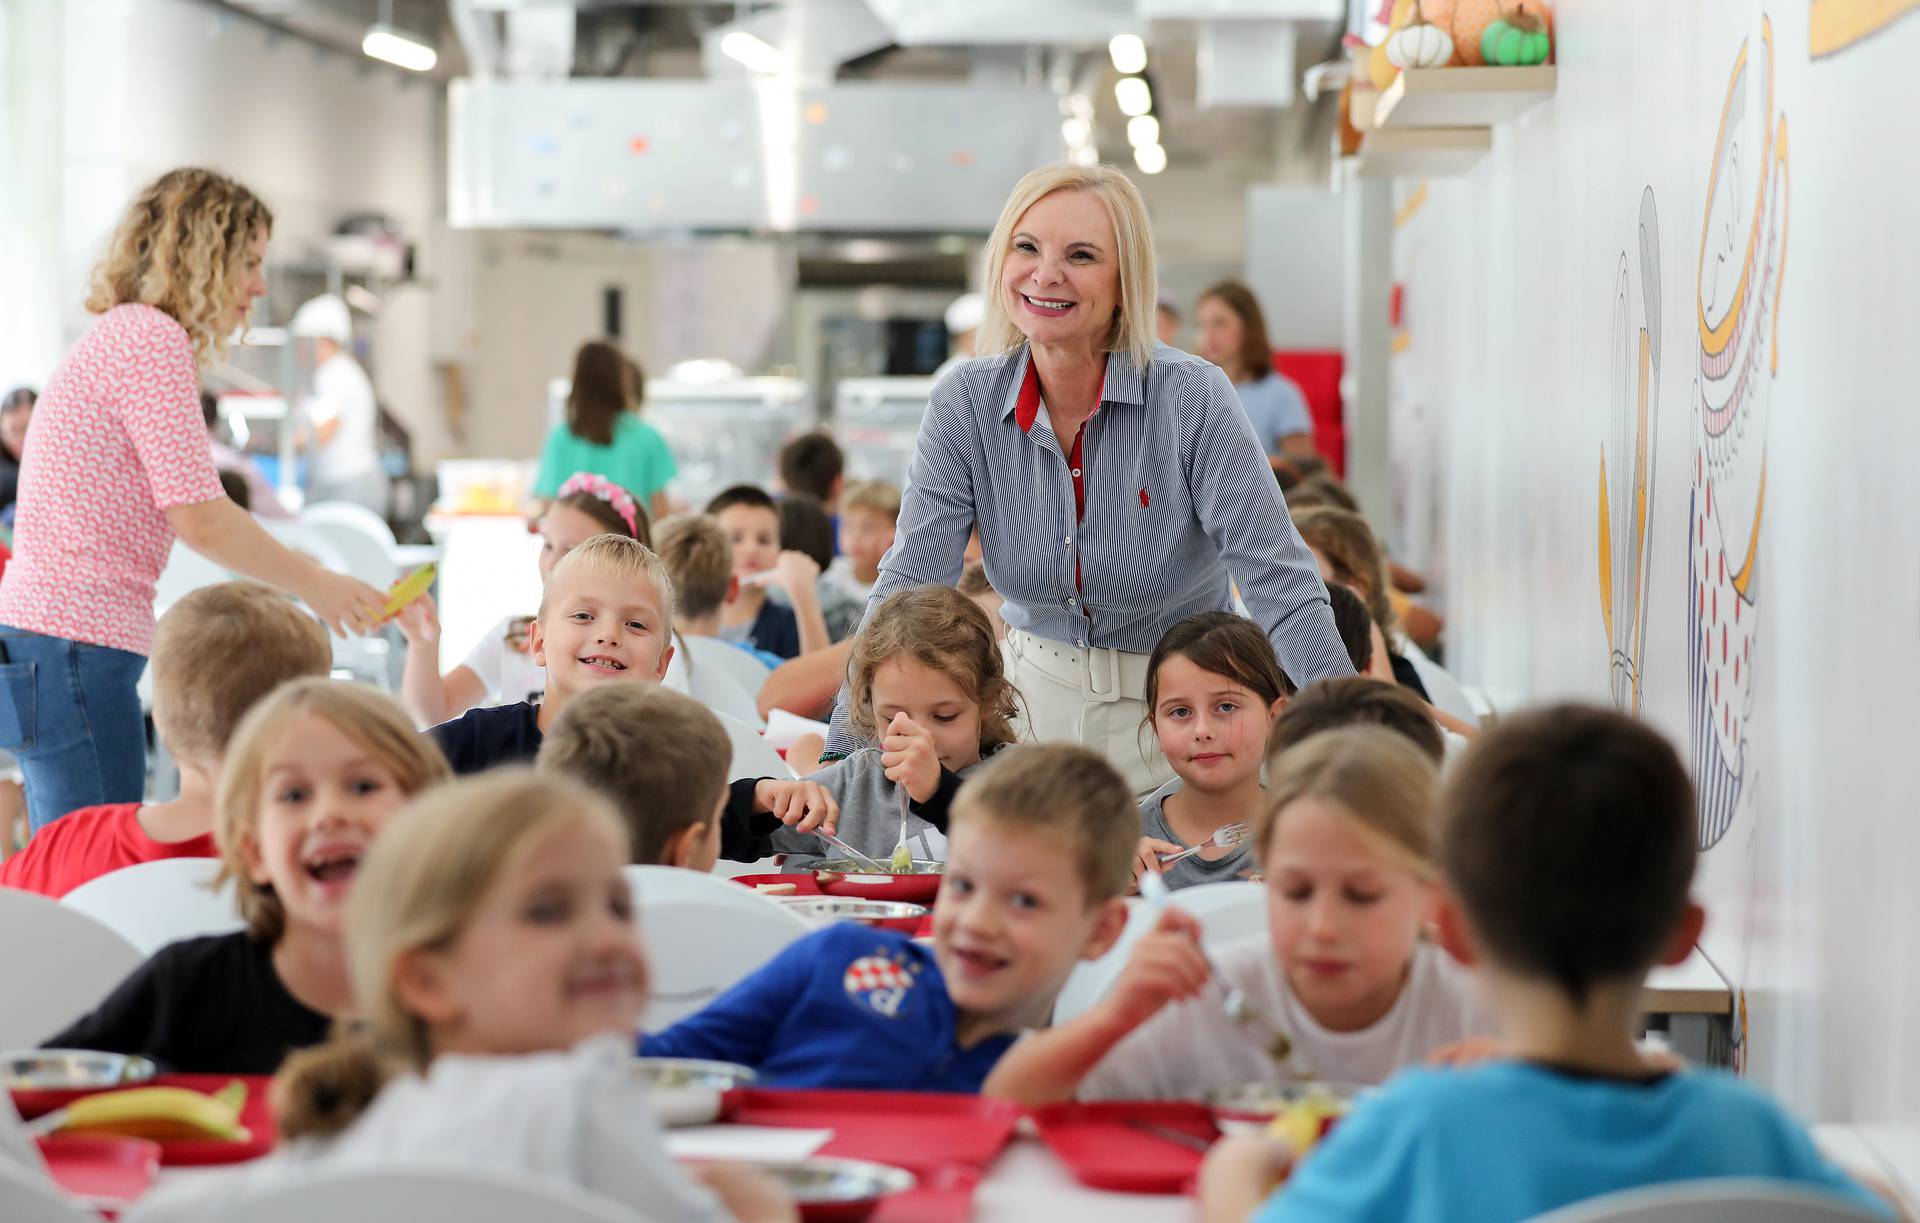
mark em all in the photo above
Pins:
pixel 1179 494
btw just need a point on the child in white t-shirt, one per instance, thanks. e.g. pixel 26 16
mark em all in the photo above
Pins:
pixel 500 670
pixel 491 941
pixel 1347 845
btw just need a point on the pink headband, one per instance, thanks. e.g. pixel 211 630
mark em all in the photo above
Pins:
pixel 607 491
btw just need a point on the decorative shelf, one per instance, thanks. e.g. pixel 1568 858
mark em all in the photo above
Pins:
pixel 1362 107
pixel 1460 97
pixel 1423 152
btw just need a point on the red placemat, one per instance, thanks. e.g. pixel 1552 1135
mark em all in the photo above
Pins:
pixel 1104 1147
pixel 923 1132
pixel 108 1171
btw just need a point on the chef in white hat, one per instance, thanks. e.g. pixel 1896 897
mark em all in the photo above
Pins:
pixel 962 319
pixel 346 459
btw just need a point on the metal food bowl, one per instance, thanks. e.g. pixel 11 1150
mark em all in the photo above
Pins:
pixel 852 908
pixel 1250 1106
pixel 72 1070
pixel 839 1190
pixel 687 1091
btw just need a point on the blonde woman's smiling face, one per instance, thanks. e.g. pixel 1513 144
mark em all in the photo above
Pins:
pixel 1061 278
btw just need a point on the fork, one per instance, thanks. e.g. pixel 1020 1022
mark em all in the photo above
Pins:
pixel 1226 837
pixel 1238 1008
pixel 859 859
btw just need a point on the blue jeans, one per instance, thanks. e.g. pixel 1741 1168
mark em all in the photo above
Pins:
pixel 70 712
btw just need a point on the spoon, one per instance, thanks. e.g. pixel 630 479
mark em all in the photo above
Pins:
pixel 902 862
pixel 1239 1009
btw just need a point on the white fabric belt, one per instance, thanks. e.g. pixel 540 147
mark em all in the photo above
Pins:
pixel 1100 673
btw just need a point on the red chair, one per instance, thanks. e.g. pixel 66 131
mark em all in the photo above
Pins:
pixel 1317 373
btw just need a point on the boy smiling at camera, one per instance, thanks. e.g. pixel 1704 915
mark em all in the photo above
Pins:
pixel 1039 849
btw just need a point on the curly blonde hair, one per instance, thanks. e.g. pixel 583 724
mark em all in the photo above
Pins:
pixel 177 249
pixel 947 632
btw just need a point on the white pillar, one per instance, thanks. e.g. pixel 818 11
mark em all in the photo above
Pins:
pixel 1369 342
pixel 31 342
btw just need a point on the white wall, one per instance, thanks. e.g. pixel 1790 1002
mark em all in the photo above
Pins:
pixel 147 85
pixel 1526 298
pixel 1296 263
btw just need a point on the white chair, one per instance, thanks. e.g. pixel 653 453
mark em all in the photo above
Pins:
pixel 1227 912
pixel 155 903
pixel 1443 689
pixel 470 1195
pixel 730 660
pixel 17 1153
pixel 360 536
pixel 57 964
pixel 186 572
pixel 716 690
pixel 27 1196
pixel 1722 1200
pixel 753 756
pixel 703 935
pixel 727 868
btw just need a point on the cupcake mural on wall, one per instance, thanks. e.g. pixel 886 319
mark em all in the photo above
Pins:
pixel 1743 249
pixel 1626 463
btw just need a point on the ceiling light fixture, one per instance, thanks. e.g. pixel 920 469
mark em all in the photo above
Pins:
pixel 1084 155
pixel 384 42
pixel 755 52
pixel 1134 95
pixel 1128 52
pixel 1075 131
pixel 1143 129
pixel 1151 158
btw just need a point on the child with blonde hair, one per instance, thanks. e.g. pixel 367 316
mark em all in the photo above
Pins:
pixel 500 973
pixel 1569 855
pixel 1214 688
pixel 500 669
pixel 216 653
pixel 607 618
pixel 930 694
pixel 311 780
pixel 1349 847
pixel 1036 868
pixel 869 515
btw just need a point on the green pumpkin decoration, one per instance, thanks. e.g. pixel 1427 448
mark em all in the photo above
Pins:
pixel 1518 38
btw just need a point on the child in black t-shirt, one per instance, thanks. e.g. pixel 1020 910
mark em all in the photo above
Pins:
pixel 312 776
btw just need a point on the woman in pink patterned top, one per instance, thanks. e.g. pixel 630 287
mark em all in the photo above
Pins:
pixel 121 467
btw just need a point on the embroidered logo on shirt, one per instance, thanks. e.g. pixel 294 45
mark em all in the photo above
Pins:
pixel 880 982
pixel 1143 498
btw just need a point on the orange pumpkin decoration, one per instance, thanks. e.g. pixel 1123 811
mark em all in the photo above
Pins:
pixel 1467 21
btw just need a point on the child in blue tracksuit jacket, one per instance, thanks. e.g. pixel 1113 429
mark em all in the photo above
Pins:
pixel 1040 848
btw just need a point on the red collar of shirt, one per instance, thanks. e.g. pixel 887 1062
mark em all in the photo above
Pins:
pixel 1026 407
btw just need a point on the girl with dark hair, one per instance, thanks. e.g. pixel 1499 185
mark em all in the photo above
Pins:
pixel 603 433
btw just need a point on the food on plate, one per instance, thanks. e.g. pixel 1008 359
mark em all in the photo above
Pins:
pixel 1304 1122
pixel 902 862
pixel 160 1113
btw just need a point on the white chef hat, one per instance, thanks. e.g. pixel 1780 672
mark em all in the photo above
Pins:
pixel 965 313
pixel 323 318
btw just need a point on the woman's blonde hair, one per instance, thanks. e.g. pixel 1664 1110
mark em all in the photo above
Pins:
pixel 1383 782
pixel 177 249
pixel 946 631
pixel 1133 331
pixel 417 891
pixel 368 717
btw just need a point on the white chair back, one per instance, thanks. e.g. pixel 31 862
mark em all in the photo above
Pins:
pixel 303 538
pixel 470 1195
pixel 17 1152
pixel 753 756
pixel 28 1196
pixel 1227 912
pixel 711 653
pixel 703 934
pixel 186 572
pixel 717 690
pixel 361 537
pixel 156 903
pixel 1721 1200
pixel 57 964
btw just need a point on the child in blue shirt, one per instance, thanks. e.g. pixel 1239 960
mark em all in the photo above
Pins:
pixel 1569 848
pixel 1040 850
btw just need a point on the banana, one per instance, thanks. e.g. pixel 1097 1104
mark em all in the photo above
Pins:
pixel 1306 1121
pixel 161 1113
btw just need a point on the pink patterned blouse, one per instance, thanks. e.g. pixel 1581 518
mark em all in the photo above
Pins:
pixel 117 438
